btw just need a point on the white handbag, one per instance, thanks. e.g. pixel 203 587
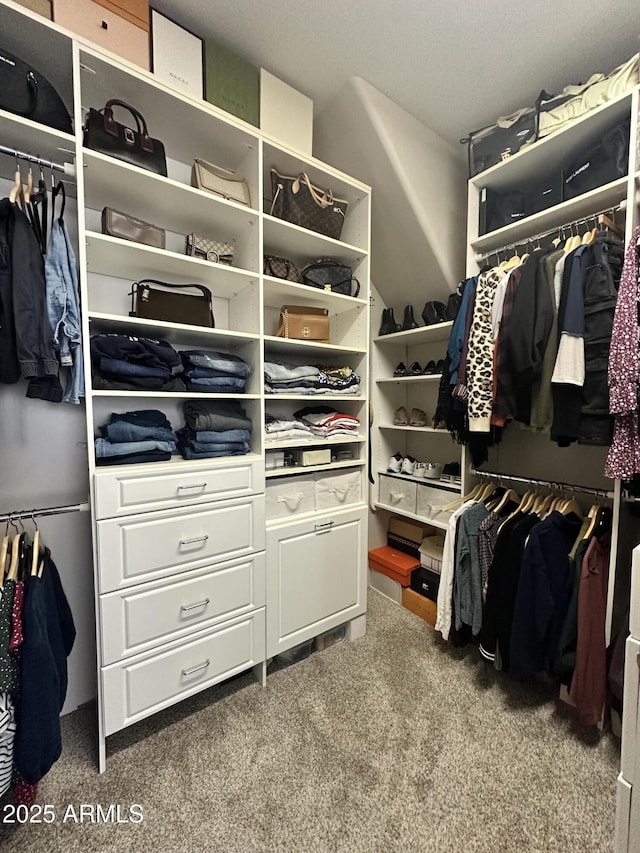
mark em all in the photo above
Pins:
pixel 222 182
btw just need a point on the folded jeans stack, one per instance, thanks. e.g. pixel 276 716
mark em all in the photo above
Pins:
pixel 214 428
pixel 309 379
pixel 125 363
pixel 214 372
pixel 132 438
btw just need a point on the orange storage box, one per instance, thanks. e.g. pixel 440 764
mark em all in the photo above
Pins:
pixel 421 606
pixel 393 563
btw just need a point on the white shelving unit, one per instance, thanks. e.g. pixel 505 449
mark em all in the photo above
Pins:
pixel 189 537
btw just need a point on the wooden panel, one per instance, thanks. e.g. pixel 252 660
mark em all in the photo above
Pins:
pixel 421 606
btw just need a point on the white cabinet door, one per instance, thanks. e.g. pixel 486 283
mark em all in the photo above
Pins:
pixel 316 576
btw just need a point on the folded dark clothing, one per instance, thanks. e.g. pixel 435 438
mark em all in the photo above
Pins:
pixel 184 441
pixel 187 434
pixel 120 367
pixel 215 415
pixel 299 383
pixel 211 386
pixel 133 383
pixel 135 458
pixel 143 351
pixel 314 410
pixel 207 373
pixel 188 453
pixel 122 431
pixel 142 417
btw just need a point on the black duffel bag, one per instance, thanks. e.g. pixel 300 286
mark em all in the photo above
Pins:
pixel 600 162
pixel 103 133
pixel 27 93
pixel 327 274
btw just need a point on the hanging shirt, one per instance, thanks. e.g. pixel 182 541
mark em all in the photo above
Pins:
pixel 479 371
pixel 9 671
pixel 468 577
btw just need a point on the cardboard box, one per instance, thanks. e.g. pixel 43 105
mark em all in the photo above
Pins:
pixel 231 82
pixel 406 535
pixel 421 606
pixel 40 7
pixel 286 114
pixel 392 563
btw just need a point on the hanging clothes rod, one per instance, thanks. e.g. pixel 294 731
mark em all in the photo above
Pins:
pixel 583 220
pixel 50 510
pixel 549 484
pixel 66 168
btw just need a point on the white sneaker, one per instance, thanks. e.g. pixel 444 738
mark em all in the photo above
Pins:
pixel 395 463
pixel 419 469
pixel 408 465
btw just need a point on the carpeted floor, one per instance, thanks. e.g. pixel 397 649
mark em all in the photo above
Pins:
pixel 392 743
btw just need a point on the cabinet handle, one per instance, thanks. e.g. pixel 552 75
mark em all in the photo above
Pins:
pixel 197 539
pixel 187 672
pixel 326 525
pixel 105 25
pixel 341 494
pixel 187 607
pixel 395 498
pixel 193 486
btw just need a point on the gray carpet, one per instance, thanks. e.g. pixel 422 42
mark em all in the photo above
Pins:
pixel 392 743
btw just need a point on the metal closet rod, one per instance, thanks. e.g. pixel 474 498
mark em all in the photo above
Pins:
pixel 583 220
pixel 50 510
pixel 550 484
pixel 67 168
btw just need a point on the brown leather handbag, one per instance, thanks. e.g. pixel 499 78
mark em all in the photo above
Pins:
pixel 303 323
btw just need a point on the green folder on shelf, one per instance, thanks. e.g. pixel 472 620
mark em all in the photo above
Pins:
pixel 232 83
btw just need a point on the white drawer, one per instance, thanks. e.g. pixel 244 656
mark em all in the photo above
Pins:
pixel 290 496
pixel 137 619
pixel 163 487
pixel 429 497
pixel 139 687
pixel 147 547
pixel 337 489
pixel 398 494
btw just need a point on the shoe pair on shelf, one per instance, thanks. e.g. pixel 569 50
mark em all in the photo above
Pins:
pixel 389 325
pixel 418 417
pixel 399 464
pixel 431 368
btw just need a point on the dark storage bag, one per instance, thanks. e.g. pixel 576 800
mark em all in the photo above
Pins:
pixel 27 93
pixel 150 301
pixel 102 133
pixel 327 274
pixel 545 193
pixel 490 145
pixel 604 160
pixel 500 209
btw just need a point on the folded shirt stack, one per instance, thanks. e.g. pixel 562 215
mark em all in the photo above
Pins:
pixel 325 422
pixel 214 428
pixel 125 363
pixel 284 429
pixel 131 438
pixel 309 379
pixel 214 372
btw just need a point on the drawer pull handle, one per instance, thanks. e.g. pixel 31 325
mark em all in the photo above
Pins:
pixel 188 607
pixel 341 494
pixel 187 672
pixel 192 541
pixel 395 497
pixel 292 501
pixel 192 486
pixel 326 525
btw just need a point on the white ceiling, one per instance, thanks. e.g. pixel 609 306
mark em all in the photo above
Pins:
pixel 455 66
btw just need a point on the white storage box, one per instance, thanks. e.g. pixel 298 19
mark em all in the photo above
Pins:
pixel 398 494
pixel 386 586
pixel 273 459
pixel 337 489
pixel 290 496
pixel 429 497
pixel 285 113
pixel 320 456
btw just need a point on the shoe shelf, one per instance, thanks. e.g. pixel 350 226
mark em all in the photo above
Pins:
pixel 446 485
pixel 441 521
pixel 430 377
pixel 309 469
pixel 422 335
pixel 407 428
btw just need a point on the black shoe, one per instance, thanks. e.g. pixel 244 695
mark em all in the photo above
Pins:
pixel 400 370
pixel 415 369
pixel 389 325
pixel 409 321
pixel 434 312
pixel 429 368
pixel 440 365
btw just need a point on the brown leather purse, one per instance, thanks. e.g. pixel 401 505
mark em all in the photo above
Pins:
pixel 303 323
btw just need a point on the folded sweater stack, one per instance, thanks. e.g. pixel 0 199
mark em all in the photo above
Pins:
pixel 309 379
pixel 125 363
pixel 325 422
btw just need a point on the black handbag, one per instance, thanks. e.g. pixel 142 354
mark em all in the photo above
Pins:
pixel 327 274
pixel 298 201
pixel 604 160
pixel 149 301
pixel 104 134
pixel 27 93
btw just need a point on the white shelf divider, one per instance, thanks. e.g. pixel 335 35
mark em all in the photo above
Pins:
pixel 309 469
